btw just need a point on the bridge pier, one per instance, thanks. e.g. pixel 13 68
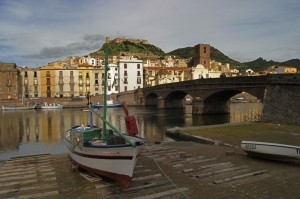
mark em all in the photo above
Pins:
pixel 160 102
pixel 170 103
pixel 197 107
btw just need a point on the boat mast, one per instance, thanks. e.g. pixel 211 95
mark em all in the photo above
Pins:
pixel 105 92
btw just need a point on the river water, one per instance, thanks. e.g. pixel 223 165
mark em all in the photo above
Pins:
pixel 31 132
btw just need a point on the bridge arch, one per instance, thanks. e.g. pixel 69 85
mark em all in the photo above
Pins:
pixel 175 99
pixel 218 102
pixel 151 99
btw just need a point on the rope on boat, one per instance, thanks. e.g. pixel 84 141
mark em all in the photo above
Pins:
pixel 161 170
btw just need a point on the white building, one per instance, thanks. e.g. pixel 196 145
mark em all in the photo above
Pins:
pixel 112 79
pixel 130 74
pixel 199 72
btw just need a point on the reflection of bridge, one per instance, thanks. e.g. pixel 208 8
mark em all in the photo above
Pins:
pixel 279 93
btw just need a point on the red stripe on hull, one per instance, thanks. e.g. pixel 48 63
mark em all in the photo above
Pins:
pixel 123 180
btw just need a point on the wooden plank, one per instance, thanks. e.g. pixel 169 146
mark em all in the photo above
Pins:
pixel 142 171
pixel 205 160
pixel 146 186
pixel 23 182
pixel 186 160
pixel 147 177
pixel 217 172
pixel 18 177
pixel 39 195
pixel 240 176
pixel 164 193
pixel 27 188
pixel 205 167
pixel 177 165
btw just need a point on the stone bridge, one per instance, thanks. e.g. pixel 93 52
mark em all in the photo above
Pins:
pixel 279 93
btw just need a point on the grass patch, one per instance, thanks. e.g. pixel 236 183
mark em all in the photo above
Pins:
pixel 264 132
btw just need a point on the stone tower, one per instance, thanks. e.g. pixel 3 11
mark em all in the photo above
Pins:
pixel 202 55
pixel 107 39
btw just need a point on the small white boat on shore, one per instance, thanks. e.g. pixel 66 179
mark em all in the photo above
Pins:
pixel 109 104
pixel 51 106
pixel 272 151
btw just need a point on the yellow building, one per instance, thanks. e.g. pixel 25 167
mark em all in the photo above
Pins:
pixel 47 74
pixel 290 69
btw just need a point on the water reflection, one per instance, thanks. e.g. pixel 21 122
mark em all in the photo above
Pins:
pixel 41 131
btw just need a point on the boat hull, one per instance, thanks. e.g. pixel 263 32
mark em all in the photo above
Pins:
pixel 272 151
pixel 115 161
pixel 107 106
pixel 52 107
pixel 18 107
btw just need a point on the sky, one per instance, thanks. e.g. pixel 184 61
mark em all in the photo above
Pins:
pixel 36 32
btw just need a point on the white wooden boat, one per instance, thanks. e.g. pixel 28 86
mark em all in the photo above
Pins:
pixel 52 106
pixel 108 153
pixel 112 157
pixel 273 151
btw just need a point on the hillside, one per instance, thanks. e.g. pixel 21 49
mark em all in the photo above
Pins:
pixel 146 51
pixel 115 49
pixel 215 54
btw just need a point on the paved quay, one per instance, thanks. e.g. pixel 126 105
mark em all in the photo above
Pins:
pixel 166 170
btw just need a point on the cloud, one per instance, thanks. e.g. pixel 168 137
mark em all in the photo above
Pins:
pixel 88 43
pixel 35 31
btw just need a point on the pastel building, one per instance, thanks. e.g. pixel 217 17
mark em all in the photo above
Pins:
pixel 130 74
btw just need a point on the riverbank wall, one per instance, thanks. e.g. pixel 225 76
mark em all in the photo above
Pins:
pixel 281 104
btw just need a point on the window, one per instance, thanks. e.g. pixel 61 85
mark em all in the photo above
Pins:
pixel 71 73
pixel 48 73
pixel 125 73
pixel 60 73
pixel 48 81
pixel 125 88
pixel 96 75
pixel 125 66
pixel 138 66
pixel 204 49
pixel 125 80
pixel 138 73
pixel 138 81
pixel 35 74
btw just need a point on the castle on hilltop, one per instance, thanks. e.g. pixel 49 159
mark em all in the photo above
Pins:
pixel 120 40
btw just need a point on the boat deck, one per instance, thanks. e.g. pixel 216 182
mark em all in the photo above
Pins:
pixel 193 170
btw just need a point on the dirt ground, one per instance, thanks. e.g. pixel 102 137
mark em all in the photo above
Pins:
pixel 169 170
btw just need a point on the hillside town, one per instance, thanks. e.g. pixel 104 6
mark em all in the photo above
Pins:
pixel 78 75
